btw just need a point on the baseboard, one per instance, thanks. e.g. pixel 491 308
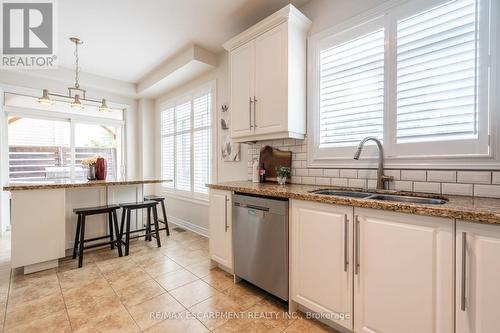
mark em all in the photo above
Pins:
pixel 41 266
pixel 188 225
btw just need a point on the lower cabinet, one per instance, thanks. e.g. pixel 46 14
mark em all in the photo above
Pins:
pixel 477 278
pixel 220 241
pixel 390 272
pixel 321 257
pixel 403 274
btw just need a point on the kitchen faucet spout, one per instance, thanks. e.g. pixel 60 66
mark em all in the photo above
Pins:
pixel 381 178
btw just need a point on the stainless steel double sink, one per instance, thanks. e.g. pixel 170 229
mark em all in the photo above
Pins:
pixel 382 196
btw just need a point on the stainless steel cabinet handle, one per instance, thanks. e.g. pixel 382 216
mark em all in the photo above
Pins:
pixel 356 264
pixel 346 243
pixel 464 271
pixel 250 111
pixel 225 216
pixel 265 209
pixel 254 111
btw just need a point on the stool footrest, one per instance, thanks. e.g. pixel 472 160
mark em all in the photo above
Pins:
pixel 97 238
pixel 100 244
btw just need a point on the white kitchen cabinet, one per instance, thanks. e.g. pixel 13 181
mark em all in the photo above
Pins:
pixel 477 278
pixel 270 82
pixel 242 78
pixel 321 257
pixel 267 65
pixel 220 241
pixel 38 228
pixel 403 273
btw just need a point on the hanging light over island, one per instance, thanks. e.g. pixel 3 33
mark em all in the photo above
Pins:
pixel 75 93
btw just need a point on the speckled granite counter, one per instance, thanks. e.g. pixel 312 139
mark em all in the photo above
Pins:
pixel 72 184
pixel 473 209
pixel 42 216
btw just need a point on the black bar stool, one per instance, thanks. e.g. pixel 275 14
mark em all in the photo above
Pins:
pixel 80 240
pixel 150 206
pixel 160 200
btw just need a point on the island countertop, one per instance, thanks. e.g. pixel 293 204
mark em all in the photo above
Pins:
pixel 471 209
pixel 48 185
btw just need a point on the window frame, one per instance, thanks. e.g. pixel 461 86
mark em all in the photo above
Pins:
pixel 190 96
pixel 408 155
pixel 70 118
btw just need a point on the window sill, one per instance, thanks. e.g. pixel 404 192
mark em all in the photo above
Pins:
pixel 470 163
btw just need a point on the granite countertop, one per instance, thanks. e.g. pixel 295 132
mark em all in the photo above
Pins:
pixel 48 185
pixel 473 209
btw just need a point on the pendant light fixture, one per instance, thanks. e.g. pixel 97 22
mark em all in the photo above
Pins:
pixel 45 99
pixel 103 107
pixel 75 93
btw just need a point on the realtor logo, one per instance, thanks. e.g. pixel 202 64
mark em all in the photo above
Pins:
pixel 28 34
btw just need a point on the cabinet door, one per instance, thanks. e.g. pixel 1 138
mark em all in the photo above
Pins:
pixel 271 88
pixel 220 223
pixel 321 257
pixel 477 278
pixel 403 273
pixel 242 89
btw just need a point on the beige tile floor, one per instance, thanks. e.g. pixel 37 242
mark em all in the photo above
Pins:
pixel 174 288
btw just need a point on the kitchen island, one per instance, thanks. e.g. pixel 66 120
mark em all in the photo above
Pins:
pixel 43 222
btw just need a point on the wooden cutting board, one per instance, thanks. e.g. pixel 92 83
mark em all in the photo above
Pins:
pixel 274 158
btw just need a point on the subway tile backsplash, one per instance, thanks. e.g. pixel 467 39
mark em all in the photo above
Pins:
pixel 451 182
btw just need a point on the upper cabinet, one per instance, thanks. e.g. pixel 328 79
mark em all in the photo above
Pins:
pixel 267 65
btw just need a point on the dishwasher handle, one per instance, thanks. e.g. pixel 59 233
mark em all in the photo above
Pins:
pixel 264 209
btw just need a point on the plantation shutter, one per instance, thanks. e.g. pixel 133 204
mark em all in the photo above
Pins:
pixel 437 74
pixel 352 90
pixel 167 146
pixel 186 145
pixel 183 146
pixel 201 143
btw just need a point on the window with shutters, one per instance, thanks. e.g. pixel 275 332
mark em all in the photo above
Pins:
pixel 186 142
pixel 417 75
pixel 352 90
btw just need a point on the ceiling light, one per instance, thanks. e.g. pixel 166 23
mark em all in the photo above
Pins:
pixel 75 93
pixel 76 103
pixel 103 107
pixel 45 99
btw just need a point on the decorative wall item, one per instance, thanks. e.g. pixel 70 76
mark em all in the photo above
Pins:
pixel 223 124
pixel 224 121
pixel 230 150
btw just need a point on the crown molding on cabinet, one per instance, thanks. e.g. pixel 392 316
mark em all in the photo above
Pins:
pixel 287 13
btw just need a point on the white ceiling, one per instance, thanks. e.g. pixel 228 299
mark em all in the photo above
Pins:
pixel 127 39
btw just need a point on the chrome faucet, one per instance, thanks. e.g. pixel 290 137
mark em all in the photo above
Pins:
pixel 381 178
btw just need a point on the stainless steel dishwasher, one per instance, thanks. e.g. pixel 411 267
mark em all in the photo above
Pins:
pixel 260 242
